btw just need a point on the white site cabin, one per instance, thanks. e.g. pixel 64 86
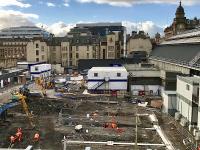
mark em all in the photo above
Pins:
pixel 107 78
pixel 41 70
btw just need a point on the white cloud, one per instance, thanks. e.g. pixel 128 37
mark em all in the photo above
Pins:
pixel 10 18
pixel 148 26
pixel 50 4
pixel 61 28
pixel 58 28
pixel 66 3
pixel 19 3
pixel 128 3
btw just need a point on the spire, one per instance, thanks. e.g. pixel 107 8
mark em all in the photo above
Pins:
pixel 180 3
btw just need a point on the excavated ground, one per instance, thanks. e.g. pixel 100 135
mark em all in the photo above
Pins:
pixel 53 128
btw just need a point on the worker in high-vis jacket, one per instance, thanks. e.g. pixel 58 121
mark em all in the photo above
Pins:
pixel 36 137
pixel 19 134
pixel 12 139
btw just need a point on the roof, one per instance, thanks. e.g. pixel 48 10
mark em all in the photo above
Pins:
pixel 187 34
pixel 170 92
pixel 182 40
pixel 14 40
pixel 99 24
pixel 89 63
pixel 84 40
pixel 56 41
pixel 191 80
pixel 108 69
pixel 180 9
pixel 181 54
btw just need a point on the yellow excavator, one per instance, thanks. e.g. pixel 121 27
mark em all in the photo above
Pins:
pixel 44 84
pixel 41 84
pixel 20 97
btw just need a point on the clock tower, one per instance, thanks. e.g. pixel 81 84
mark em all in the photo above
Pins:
pixel 180 21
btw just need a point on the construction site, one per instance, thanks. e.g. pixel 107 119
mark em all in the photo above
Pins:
pixel 69 118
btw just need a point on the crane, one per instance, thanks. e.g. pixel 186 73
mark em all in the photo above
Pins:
pixel 20 97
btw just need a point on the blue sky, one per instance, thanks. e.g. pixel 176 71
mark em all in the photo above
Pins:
pixel 150 15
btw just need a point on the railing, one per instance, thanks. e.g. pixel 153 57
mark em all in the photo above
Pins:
pixel 98 85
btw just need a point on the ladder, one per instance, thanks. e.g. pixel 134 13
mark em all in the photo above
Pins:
pixel 96 86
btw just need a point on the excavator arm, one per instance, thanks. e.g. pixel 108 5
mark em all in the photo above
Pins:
pixel 22 100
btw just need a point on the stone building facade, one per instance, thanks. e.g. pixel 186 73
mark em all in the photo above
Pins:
pixel 80 43
pixel 139 42
pixel 12 51
pixel 37 51
pixel 181 23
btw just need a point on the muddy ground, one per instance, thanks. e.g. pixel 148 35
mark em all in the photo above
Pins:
pixel 53 128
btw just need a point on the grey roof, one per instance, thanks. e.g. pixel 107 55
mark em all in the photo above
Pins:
pixel 99 24
pixel 89 63
pixel 56 41
pixel 191 80
pixel 84 40
pixel 14 40
pixel 179 53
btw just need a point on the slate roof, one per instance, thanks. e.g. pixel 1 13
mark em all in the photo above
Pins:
pixel 84 40
pixel 56 41
pixel 177 53
pixel 89 63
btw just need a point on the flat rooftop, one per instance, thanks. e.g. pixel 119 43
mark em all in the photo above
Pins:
pixel 194 79
pixel 99 24
pixel 108 69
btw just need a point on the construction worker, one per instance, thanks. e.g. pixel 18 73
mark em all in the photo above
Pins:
pixel 198 147
pixel 36 137
pixel 12 139
pixel 113 125
pixel 19 134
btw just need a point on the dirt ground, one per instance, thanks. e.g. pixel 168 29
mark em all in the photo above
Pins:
pixel 52 127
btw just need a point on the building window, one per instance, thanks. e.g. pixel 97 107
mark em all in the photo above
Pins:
pixel 94 48
pixel 94 55
pixel 111 48
pixel 54 48
pixel 88 55
pixel 42 48
pixel 37 52
pixel 88 48
pixel 42 57
pixel 187 87
pixel 37 45
pixel 36 68
pixel 37 60
pixel 76 48
pixel 70 55
pixel 118 74
pixel 111 40
pixel 77 56
pixel 104 54
pixel 95 74
pixel 111 55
